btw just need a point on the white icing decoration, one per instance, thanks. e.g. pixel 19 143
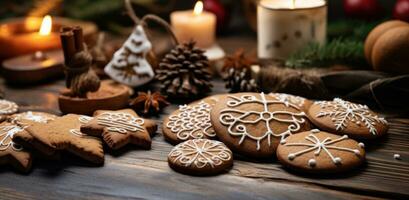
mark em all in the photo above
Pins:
pixel 317 146
pixel 315 131
pixel 287 99
pixel 200 153
pixel 83 119
pixel 120 122
pixel 312 162
pixel 7 132
pixel 129 65
pixel 78 133
pixel 342 112
pixel 236 119
pixel 7 107
pixel 6 135
pixel 192 122
pixel 362 145
pixel 39 118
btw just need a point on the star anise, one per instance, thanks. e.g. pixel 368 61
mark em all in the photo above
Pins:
pixel 147 102
pixel 238 60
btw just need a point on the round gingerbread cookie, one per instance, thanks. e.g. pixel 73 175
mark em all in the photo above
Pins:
pixel 8 107
pixel 253 124
pixel 200 157
pixel 190 121
pixel 303 103
pixel 343 117
pixel 316 151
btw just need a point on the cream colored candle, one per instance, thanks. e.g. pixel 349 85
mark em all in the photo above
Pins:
pixel 194 24
pixel 285 26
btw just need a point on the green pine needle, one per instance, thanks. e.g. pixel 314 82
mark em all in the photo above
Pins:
pixel 337 51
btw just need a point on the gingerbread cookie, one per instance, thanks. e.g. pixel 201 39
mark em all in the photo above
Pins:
pixel 10 152
pixel 3 118
pixel 64 133
pixel 301 102
pixel 200 157
pixel 30 117
pixel 343 117
pixel 121 127
pixel 7 107
pixel 27 119
pixel 253 124
pixel 190 121
pixel 320 152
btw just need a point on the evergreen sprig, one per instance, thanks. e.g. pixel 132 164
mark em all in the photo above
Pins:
pixel 338 51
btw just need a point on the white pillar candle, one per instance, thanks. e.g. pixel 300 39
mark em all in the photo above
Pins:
pixel 194 24
pixel 285 26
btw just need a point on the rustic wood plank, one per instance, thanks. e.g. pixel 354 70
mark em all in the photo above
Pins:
pixel 137 174
pixel 382 176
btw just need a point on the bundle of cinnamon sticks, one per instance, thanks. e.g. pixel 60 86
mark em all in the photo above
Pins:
pixel 80 78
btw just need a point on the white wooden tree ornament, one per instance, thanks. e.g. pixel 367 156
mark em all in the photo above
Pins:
pixel 129 65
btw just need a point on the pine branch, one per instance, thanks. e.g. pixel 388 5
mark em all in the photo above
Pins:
pixel 338 51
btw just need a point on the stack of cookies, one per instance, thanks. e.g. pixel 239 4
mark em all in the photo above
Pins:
pixel 23 133
pixel 304 135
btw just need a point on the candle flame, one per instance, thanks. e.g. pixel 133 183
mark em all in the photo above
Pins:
pixel 46 25
pixel 293 4
pixel 198 8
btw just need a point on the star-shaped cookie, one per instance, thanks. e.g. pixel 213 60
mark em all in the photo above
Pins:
pixel 121 127
pixel 64 134
pixel 12 152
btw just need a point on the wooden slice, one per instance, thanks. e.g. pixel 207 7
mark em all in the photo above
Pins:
pixel 31 68
pixel 110 96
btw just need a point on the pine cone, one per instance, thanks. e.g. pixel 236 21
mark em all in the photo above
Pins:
pixel 239 80
pixel 184 72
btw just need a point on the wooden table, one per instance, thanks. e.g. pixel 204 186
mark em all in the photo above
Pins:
pixel 140 174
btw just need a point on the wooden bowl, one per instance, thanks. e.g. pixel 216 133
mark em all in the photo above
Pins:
pixel 110 96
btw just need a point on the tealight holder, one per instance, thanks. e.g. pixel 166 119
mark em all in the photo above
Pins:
pixel 285 26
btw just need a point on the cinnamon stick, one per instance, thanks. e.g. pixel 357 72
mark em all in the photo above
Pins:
pixel 68 44
pixel 79 39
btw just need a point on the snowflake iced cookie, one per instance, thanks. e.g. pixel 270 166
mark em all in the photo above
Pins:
pixel 121 127
pixel 343 117
pixel 7 107
pixel 254 124
pixel 190 121
pixel 200 157
pixel 320 152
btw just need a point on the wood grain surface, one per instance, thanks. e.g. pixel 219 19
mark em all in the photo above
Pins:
pixel 138 174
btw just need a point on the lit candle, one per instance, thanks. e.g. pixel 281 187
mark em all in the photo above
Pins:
pixel 22 36
pixel 194 24
pixel 285 26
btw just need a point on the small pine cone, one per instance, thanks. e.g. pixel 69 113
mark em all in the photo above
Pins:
pixel 239 80
pixel 184 72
